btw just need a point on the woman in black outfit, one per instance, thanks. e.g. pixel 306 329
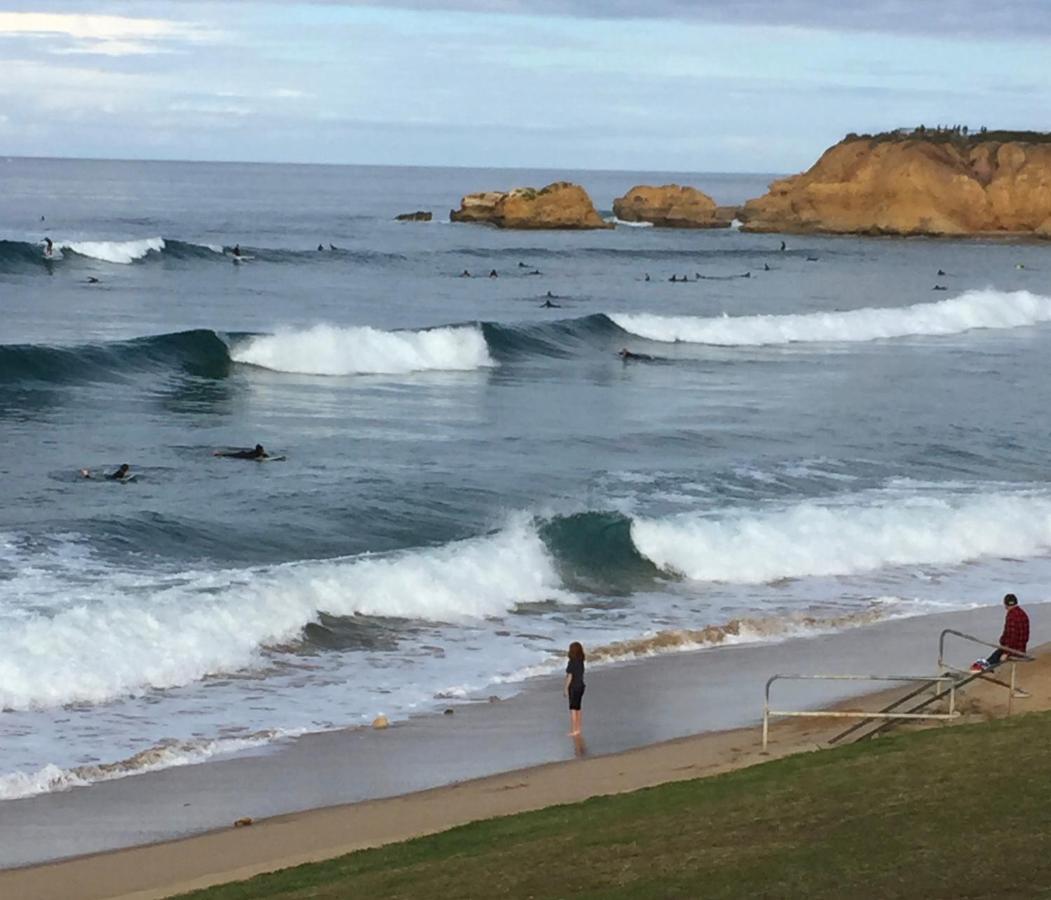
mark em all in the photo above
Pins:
pixel 574 685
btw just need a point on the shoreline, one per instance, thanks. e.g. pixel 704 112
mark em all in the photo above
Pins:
pixel 152 834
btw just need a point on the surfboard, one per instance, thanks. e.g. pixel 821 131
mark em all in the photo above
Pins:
pixel 126 479
pixel 242 258
pixel 271 459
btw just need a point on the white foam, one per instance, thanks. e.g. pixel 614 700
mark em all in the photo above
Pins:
pixel 971 310
pixel 621 222
pixel 49 778
pixel 862 534
pixel 122 634
pixel 329 350
pixel 123 252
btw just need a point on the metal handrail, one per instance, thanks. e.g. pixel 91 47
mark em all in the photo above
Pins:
pixel 930 679
pixel 1012 656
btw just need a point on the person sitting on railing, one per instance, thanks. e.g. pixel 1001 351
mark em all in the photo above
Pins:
pixel 1015 636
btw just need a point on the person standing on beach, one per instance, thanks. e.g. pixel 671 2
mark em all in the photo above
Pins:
pixel 574 686
pixel 1015 636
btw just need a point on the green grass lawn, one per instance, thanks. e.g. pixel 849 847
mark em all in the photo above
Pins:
pixel 955 812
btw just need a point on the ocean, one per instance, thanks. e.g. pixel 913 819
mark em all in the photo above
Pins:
pixel 815 439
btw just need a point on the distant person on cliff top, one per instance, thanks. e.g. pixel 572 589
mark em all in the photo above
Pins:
pixel 1015 636
pixel 573 686
pixel 257 452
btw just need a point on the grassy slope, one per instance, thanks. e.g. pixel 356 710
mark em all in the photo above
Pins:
pixel 956 812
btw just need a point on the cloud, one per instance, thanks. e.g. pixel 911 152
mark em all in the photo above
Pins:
pixel 971 18
pixel 106 35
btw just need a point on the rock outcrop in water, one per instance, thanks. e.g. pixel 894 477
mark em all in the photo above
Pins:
pixel 420 215
pixel 670 206
pixel 941 183
pixel 559 205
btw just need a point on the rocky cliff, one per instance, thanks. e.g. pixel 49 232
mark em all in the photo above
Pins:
pixel 670 206
pixel 559 205
pixel 912 185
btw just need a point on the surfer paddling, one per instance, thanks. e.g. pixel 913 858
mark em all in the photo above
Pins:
pixel 123 473
pixel 257 452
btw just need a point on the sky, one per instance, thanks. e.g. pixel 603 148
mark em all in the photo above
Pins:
pixel 672 85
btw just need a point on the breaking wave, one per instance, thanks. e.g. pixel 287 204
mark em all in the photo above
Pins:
pixel 328 350
pixel 128 633
pixel 121 252
pixel 855 535
pixel 971 310
pixel 124 632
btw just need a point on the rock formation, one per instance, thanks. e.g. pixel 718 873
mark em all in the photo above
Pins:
pixel 911 184
pixel 670 206
pixel 559 205
pixel 419 216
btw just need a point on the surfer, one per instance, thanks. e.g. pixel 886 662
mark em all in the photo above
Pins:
pixel 123 471
pixel 647 278
pixel 320 248
pixel 493 273
pixel 766 267
pixel 256 452
pixel 332 247
pixel 48 246
pixel 237 250
pixel 547 304
pixel 465 274
pixel 783 247
pixel 92 279
pixel 941 271
pixel 939 287
pixel 626 354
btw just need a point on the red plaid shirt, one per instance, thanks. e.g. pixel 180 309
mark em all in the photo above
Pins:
pixel 1016 629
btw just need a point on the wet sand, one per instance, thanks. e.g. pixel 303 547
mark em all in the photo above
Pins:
pixel 439 771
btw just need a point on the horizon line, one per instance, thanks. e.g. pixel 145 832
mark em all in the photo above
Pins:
pixel 250 162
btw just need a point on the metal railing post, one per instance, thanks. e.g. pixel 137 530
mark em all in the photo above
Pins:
pixel 766 711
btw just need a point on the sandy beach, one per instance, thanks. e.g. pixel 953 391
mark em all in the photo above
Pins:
pixel 656 720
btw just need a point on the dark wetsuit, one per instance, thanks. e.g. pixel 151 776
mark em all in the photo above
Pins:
pixel 575 669
pixel 244 454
